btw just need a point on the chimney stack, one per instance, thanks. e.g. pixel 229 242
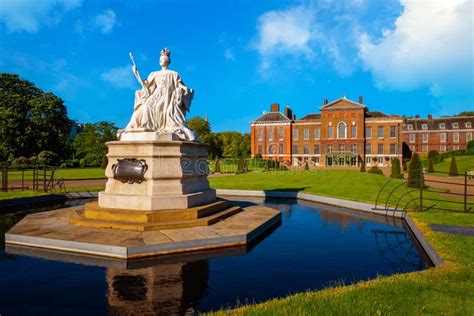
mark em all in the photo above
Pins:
pixel 361 99
pixel 430 117
pixel 275 107
pixel 417 116
pixel 325 101
pixel 294 117
pixel 288 112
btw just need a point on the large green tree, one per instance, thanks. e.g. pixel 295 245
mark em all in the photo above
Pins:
pixel 90 145
pixel 32 120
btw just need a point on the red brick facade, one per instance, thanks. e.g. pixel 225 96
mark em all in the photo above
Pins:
pixel 345 132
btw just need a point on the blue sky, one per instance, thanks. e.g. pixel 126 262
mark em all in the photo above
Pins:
pixel 405 57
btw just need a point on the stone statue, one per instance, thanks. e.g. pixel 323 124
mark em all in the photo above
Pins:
pixel 161 105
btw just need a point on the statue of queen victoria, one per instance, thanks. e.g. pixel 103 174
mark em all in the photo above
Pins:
pixel 161 105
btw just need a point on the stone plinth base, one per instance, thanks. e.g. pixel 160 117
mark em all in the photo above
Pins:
pixel 204 215
pixel 53 230
pixel 156 175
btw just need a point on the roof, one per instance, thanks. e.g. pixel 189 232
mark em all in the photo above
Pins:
pixel 272 117
pixel 356 104
pixel 433 124
pixel 311 116
pixel 376 114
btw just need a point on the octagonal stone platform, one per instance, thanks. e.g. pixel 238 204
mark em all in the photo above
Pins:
pixel 53 230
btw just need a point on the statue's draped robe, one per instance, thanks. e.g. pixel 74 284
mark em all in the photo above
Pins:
pixel 164 109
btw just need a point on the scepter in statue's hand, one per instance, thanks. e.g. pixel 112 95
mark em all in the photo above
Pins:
pixel 137 75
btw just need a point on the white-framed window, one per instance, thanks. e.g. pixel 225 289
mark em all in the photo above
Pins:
pixel 306 134
pixel 411 137
pixel 368 132
pixel 306 149
pixel 317 134
pixel 354 148
pixel 380 132
pixel 442 126
pixel 329 149
pixel 295 149
pixel 260 134
pixel 424 126
pixel 295 134
pixel 455 125
pixel 281 149
pixel 425 137
pixel 353 130
pixel 442 137
pixel 342 147
pixel 393 149
pixel 393 131
pixel 270 134
pixel 368 149
pixel 281 133
pixel 456 137
pixel 329 131
pixel 468 136
pixel 424 148
pixel 316 149
pixel 410 127
pixel 380 149
pixel 468 125
pixel 442 148
pixel 341 130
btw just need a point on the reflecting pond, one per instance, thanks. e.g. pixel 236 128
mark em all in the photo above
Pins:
pixel 315 246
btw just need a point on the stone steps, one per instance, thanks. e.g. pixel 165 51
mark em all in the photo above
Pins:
pixel 78 218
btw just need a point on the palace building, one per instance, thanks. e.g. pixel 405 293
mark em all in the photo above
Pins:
pixel 345 132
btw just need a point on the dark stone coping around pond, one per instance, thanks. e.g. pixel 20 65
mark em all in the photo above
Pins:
pixel 454 230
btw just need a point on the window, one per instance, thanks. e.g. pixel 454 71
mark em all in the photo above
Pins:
pixel 412 138
pixel 442 148
pixel 368 132
pixel 306 134
pixel 306 149
pixel 342 147
pixel 259 150
pixel 260 134
pixel 424 126
pixel 468 125
pixel 468 137
pixel 442 137
pixel 455 125
pixel 270 134
pixel 354 148
pixel 393 130
pixel 410 127
pixel 456 137
pixel 329 131
pixel 368 149
pixel 425 137
pixel 295 134
pixel 424 148
pixel 353 131
pixel 281 149
pixel 316 149
pixel 341 130
pixel 380 132
pixel 329 149
pixel 380 149
pixel 295 149
pixel 316 133
pixel 442 126
pixel 393 149
pixel 280 132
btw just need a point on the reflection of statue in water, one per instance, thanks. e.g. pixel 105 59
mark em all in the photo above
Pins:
pixel 162 103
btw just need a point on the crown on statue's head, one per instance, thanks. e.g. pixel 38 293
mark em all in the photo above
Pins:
pixel 165 52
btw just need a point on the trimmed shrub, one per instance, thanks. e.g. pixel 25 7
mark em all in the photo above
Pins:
pixel 432 154
pixel 375 170
pixel 217 166
pixel 396 170
pixel 306 165
pixel 453 167
pixel 470 148
pixel 362 166
pixel 430 166
pixel 415 172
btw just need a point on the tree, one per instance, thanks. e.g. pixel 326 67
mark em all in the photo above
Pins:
pixel 415 172
pixel 32 120
pixel 90 145
pixel 433 153
pixel 396 170
pixel 453 167
pixel 470 148
pixel 430 166
pixel 217 167
pixel 200 126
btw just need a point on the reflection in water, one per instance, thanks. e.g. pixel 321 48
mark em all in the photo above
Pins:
pixel 165 289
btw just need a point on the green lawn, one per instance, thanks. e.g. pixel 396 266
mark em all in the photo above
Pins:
pixel 19 194
pixel 442 290
pixel 464 163
pixel 73 173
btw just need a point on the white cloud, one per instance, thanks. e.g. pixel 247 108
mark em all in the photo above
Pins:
pixel 120 77
pixel 106 21
pixel 430 46
pixel 229 55
pixel 28 15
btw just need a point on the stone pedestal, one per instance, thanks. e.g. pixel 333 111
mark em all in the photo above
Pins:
pixel 175 176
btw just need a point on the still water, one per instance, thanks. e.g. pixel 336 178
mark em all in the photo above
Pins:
pixel 314 247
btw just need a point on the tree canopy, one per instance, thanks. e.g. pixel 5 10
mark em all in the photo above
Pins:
pixel 90 145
